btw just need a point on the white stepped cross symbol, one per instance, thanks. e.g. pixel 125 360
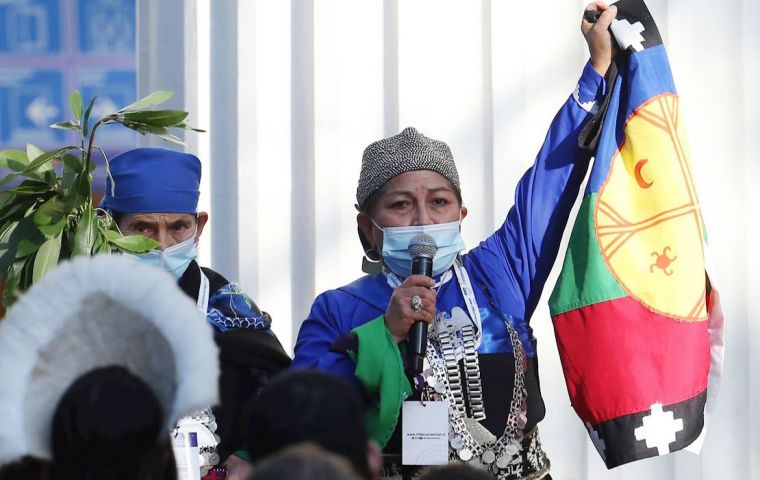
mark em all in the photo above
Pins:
pixel 659 429
pixel 628 34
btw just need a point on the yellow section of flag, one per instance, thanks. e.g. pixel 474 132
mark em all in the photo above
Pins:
pixel 647 218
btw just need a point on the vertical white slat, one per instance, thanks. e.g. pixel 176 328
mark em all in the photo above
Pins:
pixel 535 82
pixel 267 208
pixel 302 159
pixel 441 91
pixel 390 67
pixel 161 40
pixel 348 110
pixel 748 59
pixel 199 106
pixel 223 133
pixel 703 51
pixel 244 154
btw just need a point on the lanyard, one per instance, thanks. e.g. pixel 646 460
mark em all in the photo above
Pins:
pixel 203 294
pixel 465 287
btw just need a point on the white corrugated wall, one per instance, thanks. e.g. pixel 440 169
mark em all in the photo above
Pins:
pixel 292 91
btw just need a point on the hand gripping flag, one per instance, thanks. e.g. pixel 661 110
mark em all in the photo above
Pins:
pixel 637 318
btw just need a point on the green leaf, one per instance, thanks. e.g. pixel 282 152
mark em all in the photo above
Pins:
pixel 10 293
pixel 30 187
pixel 86 120
pixel 155 98
pixel 33 151
pixel 75 102
pixel 71 168
pixel 130 243
pixel 170 138
pixel 27 246
pixel 15 160
pixel 162 118
pixel 46 157
pixel 46 258
pixel 144 127
pixel 66 126
pixel 72 162
pixel 84 236
pixel 19 240
pixel 27 274
pixel 6 245
pixel 185 126
pixel 53 230
pixel 50 213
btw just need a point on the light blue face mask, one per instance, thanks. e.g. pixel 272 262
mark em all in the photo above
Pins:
pixel 396 246
pixel 174 259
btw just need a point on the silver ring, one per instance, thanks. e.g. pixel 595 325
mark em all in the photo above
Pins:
pixel 416 303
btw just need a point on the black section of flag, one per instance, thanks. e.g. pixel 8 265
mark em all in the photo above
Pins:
pixel 636 11
pixel 619 435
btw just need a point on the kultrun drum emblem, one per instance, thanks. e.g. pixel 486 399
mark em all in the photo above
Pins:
pixel 647 215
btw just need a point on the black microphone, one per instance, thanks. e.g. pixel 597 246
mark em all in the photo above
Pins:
pixel 422 249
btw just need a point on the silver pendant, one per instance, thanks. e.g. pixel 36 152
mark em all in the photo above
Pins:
pixel 488 457
pixel 456 442
pixel 440 388
pixel 479 433
pixel 465 454
pixel 512 449
pixel 503 461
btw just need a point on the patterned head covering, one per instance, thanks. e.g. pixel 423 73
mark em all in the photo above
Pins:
pixel 153 180
pixel 409 150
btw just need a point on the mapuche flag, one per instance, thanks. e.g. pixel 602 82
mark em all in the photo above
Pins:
pixel 637 318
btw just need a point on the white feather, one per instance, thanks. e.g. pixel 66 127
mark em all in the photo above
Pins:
pixel 93 312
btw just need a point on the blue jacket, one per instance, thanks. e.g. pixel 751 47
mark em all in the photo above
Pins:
pixel 508 269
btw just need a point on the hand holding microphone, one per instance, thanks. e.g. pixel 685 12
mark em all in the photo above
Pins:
pixel 412 305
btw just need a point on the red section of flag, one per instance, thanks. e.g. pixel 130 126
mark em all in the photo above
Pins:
pixel 620 358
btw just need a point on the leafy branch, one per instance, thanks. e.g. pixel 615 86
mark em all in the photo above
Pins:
pixel 46 208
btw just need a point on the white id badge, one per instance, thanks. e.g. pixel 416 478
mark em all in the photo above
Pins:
pixel 425 433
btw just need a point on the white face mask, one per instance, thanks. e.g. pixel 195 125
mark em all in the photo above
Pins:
pixel 396 246
pixel 174 259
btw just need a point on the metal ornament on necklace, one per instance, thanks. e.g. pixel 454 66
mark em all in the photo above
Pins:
pixel 469 440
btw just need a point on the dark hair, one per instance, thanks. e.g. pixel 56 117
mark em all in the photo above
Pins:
pixel 26 468
pixel 456 472
pixel 308 406
pixel 304 462
pixel 110 425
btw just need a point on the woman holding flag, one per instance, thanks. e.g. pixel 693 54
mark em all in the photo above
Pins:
pixel 481 353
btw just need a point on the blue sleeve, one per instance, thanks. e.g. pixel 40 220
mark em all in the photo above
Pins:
pixel 517 258
pixel 317 333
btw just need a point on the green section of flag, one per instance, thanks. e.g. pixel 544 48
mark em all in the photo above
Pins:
pixel 585 278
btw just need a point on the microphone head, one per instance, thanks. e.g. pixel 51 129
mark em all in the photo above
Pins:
pixel 422 245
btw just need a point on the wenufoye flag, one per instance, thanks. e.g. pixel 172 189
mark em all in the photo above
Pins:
pixel 637 317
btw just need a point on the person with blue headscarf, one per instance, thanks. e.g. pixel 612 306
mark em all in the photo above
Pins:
pixel 154 192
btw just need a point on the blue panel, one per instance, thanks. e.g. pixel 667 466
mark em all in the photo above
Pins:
pixel 30 27
pixel 107 27
pixel 31 101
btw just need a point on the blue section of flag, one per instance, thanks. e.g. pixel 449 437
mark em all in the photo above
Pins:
pixel 651 70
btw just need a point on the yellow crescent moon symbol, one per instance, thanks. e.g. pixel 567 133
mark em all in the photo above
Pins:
pixel 637 173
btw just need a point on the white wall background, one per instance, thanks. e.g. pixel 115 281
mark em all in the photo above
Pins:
pixel 292 91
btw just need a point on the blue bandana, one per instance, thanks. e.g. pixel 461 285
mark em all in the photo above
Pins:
pixel 153 180
pixel 230 307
